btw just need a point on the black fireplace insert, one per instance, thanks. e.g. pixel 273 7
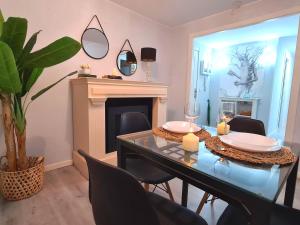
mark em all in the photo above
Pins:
pixel 114 107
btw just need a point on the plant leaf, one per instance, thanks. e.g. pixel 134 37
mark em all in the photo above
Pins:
pixel 1 22
pixel 51 86
pixel 14 34
pixel 24 76
pixel 55 53
pixel 27 49
pixel 36 72
pixel 9 76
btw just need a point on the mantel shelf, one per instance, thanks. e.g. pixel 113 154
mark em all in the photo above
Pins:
pixel 98 81
pixel 104 88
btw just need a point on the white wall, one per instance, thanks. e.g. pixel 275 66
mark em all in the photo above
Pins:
pixel 285 45
pixel 183 35
pixel 50 118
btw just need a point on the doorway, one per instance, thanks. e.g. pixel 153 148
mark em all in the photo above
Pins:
pixel 246 71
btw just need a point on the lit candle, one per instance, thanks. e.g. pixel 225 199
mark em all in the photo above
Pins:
pixel 190 142
pixel 114 72
pixel 223 128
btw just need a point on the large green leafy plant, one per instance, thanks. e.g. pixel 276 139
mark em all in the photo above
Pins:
pixel 20 68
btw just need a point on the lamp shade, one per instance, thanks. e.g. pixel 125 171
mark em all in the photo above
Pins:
pixel 148 54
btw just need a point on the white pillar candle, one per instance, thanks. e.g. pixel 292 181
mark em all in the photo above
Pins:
pixel 223 128
pixel 190 142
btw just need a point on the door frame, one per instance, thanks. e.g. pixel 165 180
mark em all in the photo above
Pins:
pixel 294 97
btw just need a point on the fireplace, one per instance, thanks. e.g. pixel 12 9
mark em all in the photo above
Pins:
pixel 91 101
pixel 114 107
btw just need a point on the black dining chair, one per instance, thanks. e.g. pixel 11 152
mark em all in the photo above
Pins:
pixel 247 125
pixel 280 215
pixel 117 198
pixel 239 124
pixel 145 172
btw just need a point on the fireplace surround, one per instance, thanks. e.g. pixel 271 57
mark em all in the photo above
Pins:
pixel 90 96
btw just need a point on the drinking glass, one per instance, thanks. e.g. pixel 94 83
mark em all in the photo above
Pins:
pixel 191 112
pixel 224 117
pixel 221 116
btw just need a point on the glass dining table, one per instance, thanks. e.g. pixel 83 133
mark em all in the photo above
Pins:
pixel 255 188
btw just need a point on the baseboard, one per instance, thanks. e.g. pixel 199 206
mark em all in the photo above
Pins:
pixel 58 165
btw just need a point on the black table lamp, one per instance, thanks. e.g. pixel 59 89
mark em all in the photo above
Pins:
pixel 148 55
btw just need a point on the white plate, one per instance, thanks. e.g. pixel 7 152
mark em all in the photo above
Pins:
pixel 251 142
pixel 253 139
pixel 180 127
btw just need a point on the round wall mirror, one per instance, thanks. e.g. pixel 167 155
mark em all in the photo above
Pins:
pixel 126 62
pixel 94 43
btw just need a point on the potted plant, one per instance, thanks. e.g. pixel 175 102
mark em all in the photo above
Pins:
pixel 21 176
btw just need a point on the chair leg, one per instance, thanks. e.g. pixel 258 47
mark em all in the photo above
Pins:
pixel 213 199
pixel 202 202
pixel 146 186
pixel 169 191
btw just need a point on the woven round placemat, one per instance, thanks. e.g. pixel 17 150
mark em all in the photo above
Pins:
pixel 161 132
pixel 282 157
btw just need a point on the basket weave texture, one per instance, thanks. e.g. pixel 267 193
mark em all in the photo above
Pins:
pixel 177 137
pixel 282 157
pixel 23 184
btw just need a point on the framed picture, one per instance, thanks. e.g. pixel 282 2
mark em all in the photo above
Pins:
pixel 205 68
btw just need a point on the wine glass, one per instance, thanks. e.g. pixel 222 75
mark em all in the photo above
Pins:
pixel 221 116
pixel 191 112
pixel 225 116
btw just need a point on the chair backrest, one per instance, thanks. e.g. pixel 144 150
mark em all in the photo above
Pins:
pixel 247 125
pixel 117 197
pixel 280 214
pixel 132 122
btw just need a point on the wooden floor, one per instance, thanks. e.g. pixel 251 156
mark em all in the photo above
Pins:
pixel 64 201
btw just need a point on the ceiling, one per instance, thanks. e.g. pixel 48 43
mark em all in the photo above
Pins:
pixel 267 30
pixel 176 12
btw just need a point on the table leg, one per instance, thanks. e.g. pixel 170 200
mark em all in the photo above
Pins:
pixel 184 194
pixel 291 186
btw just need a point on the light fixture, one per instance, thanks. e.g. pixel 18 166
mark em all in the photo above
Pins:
pixel 148 55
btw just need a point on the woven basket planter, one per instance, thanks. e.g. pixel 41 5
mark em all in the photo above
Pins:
pixel 23 184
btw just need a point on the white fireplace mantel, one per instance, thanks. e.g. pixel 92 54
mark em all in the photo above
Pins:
pixel 89 96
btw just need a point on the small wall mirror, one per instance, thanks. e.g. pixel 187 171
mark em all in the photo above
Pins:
pixel 94 41
pixel 126 60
